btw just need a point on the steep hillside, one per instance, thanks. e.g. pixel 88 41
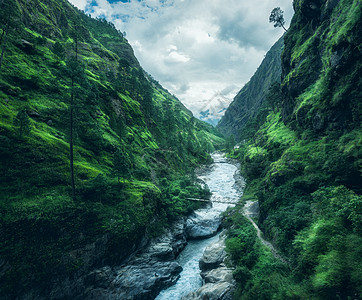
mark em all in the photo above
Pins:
pixel 69 81
pixel 303 164
pixel 247 103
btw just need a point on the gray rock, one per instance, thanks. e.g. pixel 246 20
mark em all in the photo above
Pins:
pixel 202 226
pixel 145 274
pixel 213 255
pixel 328 7
pixel 137 281
pixel 219 282
pixel 163 251
pixel 100 277
pixel 218 291
pixel 218 275
pixel 318 122
pixel 34 114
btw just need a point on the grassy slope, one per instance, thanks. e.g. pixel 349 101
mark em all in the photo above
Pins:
pixel 304 165
pixel 43 230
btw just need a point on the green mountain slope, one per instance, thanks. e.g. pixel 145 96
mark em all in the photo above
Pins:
pixel 135 146
pixel 247 103
pixel 303 163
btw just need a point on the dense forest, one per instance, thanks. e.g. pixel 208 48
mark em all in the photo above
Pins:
pixel 301 156
pixel 94 153
pixel 97 158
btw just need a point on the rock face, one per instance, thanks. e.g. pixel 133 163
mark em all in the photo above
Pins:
pixel 219 282
pixel 218 291
pixel 145 275
pixel 220 274
pixel 142 280
pixel 202 225
pixel 251 97
pixel 213 255
pixel 317 57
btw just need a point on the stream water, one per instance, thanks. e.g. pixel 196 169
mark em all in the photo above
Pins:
pixel 222 180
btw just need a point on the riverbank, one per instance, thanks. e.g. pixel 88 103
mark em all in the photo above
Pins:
pixel 218 281
pixel 209 276
pixel 157 265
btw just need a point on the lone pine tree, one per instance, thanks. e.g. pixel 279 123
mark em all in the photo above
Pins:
pixel 277 17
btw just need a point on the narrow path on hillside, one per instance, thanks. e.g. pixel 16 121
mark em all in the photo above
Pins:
pixel 250 210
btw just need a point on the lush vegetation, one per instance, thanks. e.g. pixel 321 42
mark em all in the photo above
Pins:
pixel 74 100
pixel 302 161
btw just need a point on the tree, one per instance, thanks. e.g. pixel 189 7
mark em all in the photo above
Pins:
pixel 75 71
pixel 274 98
pixel 277 18
pixel 230 143
pixel 58 49
pixel 22 121
pixel 147 93
pixel 71 152
pixel 120 165
pixel 9 13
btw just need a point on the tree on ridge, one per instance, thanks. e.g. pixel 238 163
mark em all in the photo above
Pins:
pixel 277 17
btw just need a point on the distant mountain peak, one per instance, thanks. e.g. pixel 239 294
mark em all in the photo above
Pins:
pixel 214 108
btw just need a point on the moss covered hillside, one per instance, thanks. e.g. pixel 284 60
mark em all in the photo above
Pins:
pixel 69 80
pixel 304 162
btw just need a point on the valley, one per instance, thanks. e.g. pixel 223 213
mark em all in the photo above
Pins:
pixel 110 187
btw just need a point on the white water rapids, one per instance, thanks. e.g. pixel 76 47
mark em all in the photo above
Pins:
pixel 220 178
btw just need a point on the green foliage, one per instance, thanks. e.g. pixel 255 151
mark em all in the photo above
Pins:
pixel 120 167
pixel 175 193
pixel 322 65
pixel 22 121
pixel 340 202
pixel 302 163
pixel 276 17
pixel 257 273
pixel 128 146
pixel 58 49
pixel 274 97
pixel 229 143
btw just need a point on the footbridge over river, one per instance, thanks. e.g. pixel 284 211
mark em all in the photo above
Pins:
pixel 223 200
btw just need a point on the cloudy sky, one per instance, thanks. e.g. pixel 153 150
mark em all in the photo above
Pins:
pixel 197 49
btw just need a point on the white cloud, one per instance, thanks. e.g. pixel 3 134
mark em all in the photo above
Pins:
pixel 196 49
pixel 81 4
pixel 176 57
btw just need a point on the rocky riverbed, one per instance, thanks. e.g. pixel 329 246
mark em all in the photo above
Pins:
pixel 218 278
pixel 146 274
pixel 156 267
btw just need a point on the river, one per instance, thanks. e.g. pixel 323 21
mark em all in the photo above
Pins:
pixel 225 184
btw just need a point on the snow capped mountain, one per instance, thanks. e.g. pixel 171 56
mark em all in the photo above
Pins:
pixel 214 109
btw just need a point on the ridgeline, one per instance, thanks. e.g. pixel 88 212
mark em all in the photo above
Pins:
pixel 95 156
pixel 301 155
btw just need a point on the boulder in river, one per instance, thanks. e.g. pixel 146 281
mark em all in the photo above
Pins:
pixel 213 291
pixel 220 274
pixel 213 255
pixel 202 224
pixel 219 282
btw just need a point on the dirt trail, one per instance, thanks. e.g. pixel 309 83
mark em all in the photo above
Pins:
pixel 250 210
